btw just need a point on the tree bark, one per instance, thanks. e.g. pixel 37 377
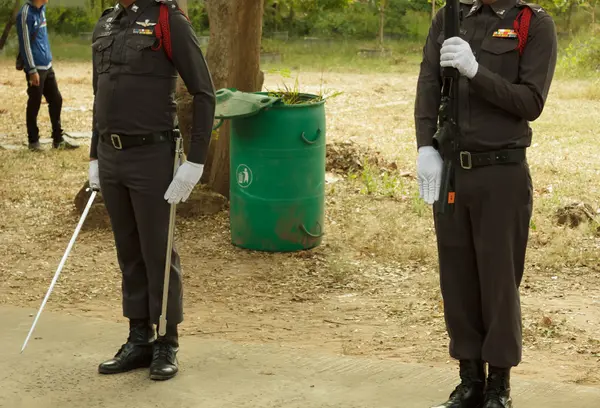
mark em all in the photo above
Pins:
pixel 381 22
pixel 10 23
pixel 233 57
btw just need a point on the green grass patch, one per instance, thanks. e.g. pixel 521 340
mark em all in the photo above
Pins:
pixel 579 56
pixel 343 55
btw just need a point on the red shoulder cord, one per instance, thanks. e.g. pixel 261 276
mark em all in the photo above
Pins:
pixel 521 25
pixel 163 30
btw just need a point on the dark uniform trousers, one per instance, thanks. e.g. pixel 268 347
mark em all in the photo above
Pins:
pixel 481 247
pixel 48 89
pixel 133 182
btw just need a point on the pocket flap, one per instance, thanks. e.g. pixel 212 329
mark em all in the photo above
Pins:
pixel 102 43
pixel 498 46
pixel 140 42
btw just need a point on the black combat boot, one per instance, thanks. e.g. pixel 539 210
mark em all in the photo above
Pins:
pixel 164 361
pixel 136 353
pixel 35 147
pixel 469 394
pixel 497 392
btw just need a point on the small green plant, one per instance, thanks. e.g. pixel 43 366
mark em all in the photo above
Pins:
pixel 291 95
pixel 418 205
pixel 379 183
pixel 532 224
pixel 368 177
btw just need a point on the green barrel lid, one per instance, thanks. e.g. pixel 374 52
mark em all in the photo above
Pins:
pixel 232 103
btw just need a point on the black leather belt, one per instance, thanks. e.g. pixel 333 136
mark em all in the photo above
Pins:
pixel 470 160
pixel 121 141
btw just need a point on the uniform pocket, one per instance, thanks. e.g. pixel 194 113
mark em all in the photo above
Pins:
pixel 102 49
pixel 500 55
pixel 141 58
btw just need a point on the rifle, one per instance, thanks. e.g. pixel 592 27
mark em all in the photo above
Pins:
pixel 446 138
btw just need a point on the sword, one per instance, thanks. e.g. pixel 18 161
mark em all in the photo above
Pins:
pixel 60 266
pixel 162 325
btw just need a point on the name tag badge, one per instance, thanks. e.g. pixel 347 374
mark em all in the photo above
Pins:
pixel 143 31
pixel 506 33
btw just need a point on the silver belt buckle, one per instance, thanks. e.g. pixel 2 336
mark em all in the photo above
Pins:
pixel 116 141
pixel 469 164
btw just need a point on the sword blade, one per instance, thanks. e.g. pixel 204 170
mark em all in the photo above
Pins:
pixel 60 266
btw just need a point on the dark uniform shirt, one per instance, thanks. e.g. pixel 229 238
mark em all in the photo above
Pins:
pixel 509 89
pixel 134 80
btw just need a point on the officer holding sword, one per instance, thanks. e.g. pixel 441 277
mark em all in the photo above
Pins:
pixel 132 160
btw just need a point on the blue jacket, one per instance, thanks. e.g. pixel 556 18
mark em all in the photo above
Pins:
pixel 35 51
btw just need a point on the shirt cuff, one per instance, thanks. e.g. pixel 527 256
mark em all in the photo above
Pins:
pixel 94 145
pixel 483 79
pixel 425 137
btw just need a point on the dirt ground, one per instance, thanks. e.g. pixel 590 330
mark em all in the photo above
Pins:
pixel 372 288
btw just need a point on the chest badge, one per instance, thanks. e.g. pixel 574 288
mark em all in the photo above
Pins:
pixel 143 31
pixel 146 23
pixel 505 33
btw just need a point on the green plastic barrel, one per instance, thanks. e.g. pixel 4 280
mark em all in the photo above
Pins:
pixel 277 189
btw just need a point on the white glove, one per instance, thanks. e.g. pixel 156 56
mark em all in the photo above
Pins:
pixel 94 175
pixel 457 53
pixel 429 173
pixel 186 178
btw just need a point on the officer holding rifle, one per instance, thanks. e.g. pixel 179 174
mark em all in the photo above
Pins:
pixel 486 71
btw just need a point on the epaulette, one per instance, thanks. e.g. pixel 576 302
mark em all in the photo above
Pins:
pixel 534 7
pixel 172 3
pixel 108 10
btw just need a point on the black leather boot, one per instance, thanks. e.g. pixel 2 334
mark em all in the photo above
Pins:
pixel 136 353
pixel 164 360
pixel 497 392
pixel 469 394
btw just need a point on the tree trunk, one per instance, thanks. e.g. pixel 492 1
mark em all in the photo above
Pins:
pixel 433 9
pixel 10 23
pixel 381 22
pixel 234 61
pixel 569 15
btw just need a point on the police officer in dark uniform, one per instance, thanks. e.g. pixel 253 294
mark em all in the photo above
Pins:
pixel 132 160
pixel 506 55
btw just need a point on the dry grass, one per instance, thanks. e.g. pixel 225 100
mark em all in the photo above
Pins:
pixel 372 288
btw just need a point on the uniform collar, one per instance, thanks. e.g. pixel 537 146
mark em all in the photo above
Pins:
pixel 500 7
pixel 135 7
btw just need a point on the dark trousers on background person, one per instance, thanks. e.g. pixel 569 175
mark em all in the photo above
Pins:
pixel 133 182
pixel 48 89
pixel 481 247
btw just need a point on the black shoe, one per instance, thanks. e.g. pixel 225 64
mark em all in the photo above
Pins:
pixel 64 145
pixel 497 392
pixel 164 362
pixel 35 147
pixel 470 392
pixel 136 353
